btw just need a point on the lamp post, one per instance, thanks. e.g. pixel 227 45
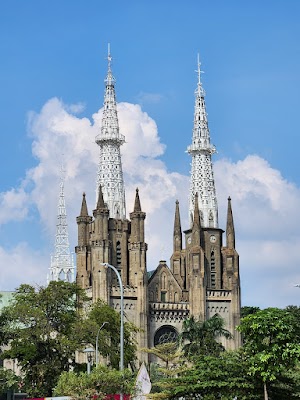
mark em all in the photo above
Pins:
pixel 106 265
pixel 89 351
pixel 97 338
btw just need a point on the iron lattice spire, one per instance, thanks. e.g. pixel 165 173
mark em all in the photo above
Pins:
pixel 62 265
pixel 201 150
pixel 110 175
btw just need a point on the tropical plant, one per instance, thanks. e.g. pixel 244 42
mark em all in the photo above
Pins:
pixel 200 337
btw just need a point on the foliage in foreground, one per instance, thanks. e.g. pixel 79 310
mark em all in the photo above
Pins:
pixel 266 366
pixel 41 325
pixel 225 377
pixel 8 380
pixel 47 326
pixel 109 335
pixel 211 377
pixel 271 343
pixel 100 382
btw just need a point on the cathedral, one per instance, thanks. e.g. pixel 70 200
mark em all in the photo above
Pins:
pixel 202 278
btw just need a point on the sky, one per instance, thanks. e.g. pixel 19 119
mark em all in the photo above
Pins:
pixel 52 70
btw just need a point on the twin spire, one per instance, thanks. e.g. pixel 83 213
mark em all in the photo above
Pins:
pixel 201 150
pixel 109 140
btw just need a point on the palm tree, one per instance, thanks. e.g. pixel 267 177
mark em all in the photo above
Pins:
pixel 200 337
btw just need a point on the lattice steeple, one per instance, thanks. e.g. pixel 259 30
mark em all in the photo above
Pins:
pixel 62 265
pixel 110 175
pixel 201 150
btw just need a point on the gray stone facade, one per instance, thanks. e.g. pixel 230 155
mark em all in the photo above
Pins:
pixel 202 279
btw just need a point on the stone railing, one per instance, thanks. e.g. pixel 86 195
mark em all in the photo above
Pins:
pixel 219 295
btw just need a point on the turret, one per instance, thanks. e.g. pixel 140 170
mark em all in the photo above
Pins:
pixel 196 228
pixel 137 220
pixel 101 215
pixel 230 234
pixel 82 221
pixel 177 233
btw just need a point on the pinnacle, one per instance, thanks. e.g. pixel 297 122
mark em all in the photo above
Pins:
pixel 84 210
pixel 196 212
pixel 137 203
pixel 100 202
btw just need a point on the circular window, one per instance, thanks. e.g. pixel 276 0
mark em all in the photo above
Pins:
pixel 166 334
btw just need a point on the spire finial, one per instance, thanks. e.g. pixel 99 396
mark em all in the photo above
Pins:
pixel 109 57
pixel 199 69
pixel 109 80
pixel 200 89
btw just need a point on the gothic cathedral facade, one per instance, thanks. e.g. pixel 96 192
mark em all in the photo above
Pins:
pixel 203 277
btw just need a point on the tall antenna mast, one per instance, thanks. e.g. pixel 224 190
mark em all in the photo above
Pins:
pixel 62 263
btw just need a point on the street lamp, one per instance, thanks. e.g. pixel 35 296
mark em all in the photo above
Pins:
pixel 106 265
pixel 89 352
pixel 97 338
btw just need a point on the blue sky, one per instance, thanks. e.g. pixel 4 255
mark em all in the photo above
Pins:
pixel 52 70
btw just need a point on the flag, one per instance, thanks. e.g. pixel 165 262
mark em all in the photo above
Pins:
pixel 142 383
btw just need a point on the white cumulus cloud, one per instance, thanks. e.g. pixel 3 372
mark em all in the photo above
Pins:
pixel 265 205
pixel 266 216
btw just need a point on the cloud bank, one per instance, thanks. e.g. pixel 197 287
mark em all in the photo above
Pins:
pixel 264 203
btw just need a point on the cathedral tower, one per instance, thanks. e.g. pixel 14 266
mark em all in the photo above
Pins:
pixel 203 279
pixel 108 236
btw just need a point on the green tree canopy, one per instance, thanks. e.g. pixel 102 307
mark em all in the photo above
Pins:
pixel 213 377
pixel 271 343
pixel 8 380
pixel 47 325
pixel 226 377
pixel 109 335
pixel 42 327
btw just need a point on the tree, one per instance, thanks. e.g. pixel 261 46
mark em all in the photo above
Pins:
pixel 271 341
pixel 101 382
pixel 247 310
pixel 109 335
pixel 213 377
pixel 4 337
pixel 225 377
pixel 42 326
pixel 8 380
pixel 167 352
pixel 199 338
